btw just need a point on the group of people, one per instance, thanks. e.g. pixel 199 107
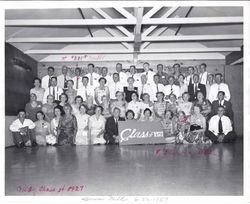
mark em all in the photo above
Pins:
pixel 193 107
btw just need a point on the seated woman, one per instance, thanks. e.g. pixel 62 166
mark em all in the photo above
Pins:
pixel 159 106
pixel 71 92
pixel 172 105
pixel 67 127
pixel 48 108
pixel 42 129
pixel 168 127
pixel 23 130
pixel 147 103
pixel 181 128
pixel 130 115
pixel 106 107
pixel 76 105
pixel 37 90
pixel 185 105
pixel 206 106
pixel 33 107
pixel 130 89
pixel 90 105
pixel 147 115
pixel 135 105
pixel 197 127
pixel 82 122
pixel 120 103
pixel 101 91
pixel 54 125
pixel 97 127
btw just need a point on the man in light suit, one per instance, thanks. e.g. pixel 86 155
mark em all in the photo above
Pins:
pixel 111 127
pixel 53 90
pixel 196 86
pixel 222 102
pixel 46 80
pixel 93 77
pixel 63 78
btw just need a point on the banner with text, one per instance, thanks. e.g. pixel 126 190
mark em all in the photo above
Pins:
pixel 136 132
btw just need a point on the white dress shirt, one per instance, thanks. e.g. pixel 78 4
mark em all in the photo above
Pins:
pixel 49 91
pixel 214 124
pixel 150 74
pixel 114 87
pixel 187 79
pixel 203 78
pixel 16 125
pixel 76 79
pixel 45 81
pixel 123 78
pixel 85 91
pixel 145 88
pixel 135 107
pixel 95 78
pixel 175 90
pixel 60 80
pixel 108 78
pixel 215 88
pixel 154 89
pixel 137 78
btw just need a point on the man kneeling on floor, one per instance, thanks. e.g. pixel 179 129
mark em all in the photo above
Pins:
pixel 220 128
pixel 23 130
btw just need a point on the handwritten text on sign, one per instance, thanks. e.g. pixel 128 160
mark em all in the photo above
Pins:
pixel 136 132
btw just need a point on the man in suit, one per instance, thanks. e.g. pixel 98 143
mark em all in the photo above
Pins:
pixel 196 86
pixel 111 127
pixel 222 102
pixel 46 80
pixel 220 129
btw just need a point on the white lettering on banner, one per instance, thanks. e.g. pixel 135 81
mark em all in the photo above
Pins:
pixel 128 133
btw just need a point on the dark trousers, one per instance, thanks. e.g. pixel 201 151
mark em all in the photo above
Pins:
pixel 229 137
pixel 109 139
pixel 18 138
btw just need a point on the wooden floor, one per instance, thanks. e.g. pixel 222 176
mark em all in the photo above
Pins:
pixel 166 170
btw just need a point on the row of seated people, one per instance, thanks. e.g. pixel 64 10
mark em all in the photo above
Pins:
pixel 150 82
pixel 83 122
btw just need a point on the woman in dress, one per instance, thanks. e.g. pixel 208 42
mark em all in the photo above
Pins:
pixel 71 92
pixel 82 122
pixel 120 103
pixel 67 127
pixel 147 115
pixel 37 89
pixel 183 86
pixel 197 127
pixel 90 105
pixel 206 107
pixel 106 107
pixel 97 127
pixel 130 115
pixel 181 128
pixel 54 125
pixel 159 106
pixel 33 107
pixel 185 105
pixel 42 129
pixel 172 105
pixel 168 127
pixel 135 105
pixel 76 105
pixel 48 108
pixel 101 91
pixel 130 89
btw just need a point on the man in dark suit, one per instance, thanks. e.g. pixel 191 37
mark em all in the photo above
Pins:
pixel 222 102
pixel 111 127
pixel 196 86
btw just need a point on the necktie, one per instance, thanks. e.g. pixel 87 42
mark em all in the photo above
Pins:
pixel 190 80
pixel 49 83
pixel 91 79
pixel 54 93
pixel 171 90
pixel 116 122
pixel 142 90
pixel 77 81
pixel 157 87
pixel 86 94
pixel 195 88
pixel 219 103
pixel 220 127
pixel 65 82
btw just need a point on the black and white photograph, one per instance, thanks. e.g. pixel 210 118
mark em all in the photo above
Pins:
pixel 107 100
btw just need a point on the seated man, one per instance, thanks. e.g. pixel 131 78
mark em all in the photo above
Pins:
pixel 111 127
pixel 220 128
pixel 23 130
pixel 222 102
